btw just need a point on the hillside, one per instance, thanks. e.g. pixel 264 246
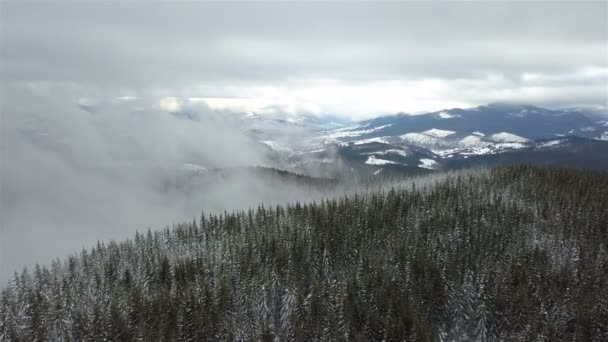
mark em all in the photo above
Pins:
pixel 513 253
pixel 452 138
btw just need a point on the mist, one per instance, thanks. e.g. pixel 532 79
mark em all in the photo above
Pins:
pixel 75 172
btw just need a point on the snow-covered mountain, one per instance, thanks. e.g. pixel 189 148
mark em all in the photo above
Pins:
pixel 326 146
pixel 436 140
pixel 526 121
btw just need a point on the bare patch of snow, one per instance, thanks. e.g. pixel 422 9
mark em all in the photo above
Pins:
pixel 347 128
pixel 471 141
pixel 508 137
pixel 551 143
pixel 426 163
pixel 395 151
pixel 382 140
pixel 478 151
pixel 445 152
pixel 343 133
pixel 447 115
pixel 372 160
pixel 311 151
pixel 510 145
pixel 438 133
pixel 422 139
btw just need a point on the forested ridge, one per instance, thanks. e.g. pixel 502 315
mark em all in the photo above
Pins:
pixel 511 254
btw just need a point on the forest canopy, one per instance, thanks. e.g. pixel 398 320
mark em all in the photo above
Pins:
pixel 515 253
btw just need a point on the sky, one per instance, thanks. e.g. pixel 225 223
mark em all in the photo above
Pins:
pixel 355 60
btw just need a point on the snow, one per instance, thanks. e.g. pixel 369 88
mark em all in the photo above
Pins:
pixel 475 144
pixel 324 141
pixel 395 151
pixel 510 145
pixel 343 133
pixel 389 151
pixel 427 164
pixel 372 160
pixel 478 133
pixel 276 146
pixel 438 133
pixel 377 172
pixel 382 140
pixel 446 152
pixel 472 141
pixel 508 137
pixel 379 127
pixel 478 151
pixel 348 128
pixel 551 143
pixel 311 151
pixel 447 115
pixel 422 139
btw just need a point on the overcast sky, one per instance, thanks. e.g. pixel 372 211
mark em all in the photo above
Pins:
pixel 351 59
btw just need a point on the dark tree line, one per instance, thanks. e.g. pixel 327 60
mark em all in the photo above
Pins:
pixel 511 254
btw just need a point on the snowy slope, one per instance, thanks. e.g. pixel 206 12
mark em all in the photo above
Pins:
pixel 427 164
pixel 438 133
pixel 508 137
pixel 373 160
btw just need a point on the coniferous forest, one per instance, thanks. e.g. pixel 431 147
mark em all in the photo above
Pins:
pixel 509 254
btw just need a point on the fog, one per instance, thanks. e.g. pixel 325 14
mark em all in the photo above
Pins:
pixel 77 172
pixel 73 173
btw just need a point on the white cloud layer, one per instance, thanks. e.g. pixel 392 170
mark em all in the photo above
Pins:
pixel 351 59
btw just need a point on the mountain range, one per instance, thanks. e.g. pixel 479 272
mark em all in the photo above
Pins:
pixel 453 138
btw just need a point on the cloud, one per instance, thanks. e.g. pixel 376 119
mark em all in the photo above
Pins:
pixel 70 176
pixel 232 50
pixel 75 170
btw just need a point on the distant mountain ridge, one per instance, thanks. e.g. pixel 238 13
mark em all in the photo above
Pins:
pixel 448 138
pixel 528 121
